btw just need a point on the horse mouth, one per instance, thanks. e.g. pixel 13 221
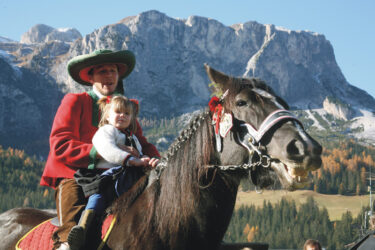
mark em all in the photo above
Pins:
pixel 292 176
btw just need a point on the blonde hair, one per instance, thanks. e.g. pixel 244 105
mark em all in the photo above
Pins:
pixel 120 104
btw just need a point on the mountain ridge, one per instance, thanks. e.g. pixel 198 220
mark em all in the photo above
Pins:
pixel 169 79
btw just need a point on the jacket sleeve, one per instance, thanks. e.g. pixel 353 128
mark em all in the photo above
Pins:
pixel 147 148
pixel 65 143
pixel 104 141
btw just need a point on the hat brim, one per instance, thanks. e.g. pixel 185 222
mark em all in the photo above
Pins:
pixel 79 66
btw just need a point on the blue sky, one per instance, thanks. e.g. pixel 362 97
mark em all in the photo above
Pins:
pixel 348 24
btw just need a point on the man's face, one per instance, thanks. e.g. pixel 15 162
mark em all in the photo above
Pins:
pixel 105 78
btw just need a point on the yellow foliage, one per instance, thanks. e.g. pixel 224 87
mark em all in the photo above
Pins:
pixel 28 162
pixel 342 157
pixel 246 230
pixel 19 153
pixel 330 164
pixel 26 202
pixel 251 234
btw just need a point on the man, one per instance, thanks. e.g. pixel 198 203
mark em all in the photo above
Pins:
pixel 75 124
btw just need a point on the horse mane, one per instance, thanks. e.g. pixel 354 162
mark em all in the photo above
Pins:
pixel 176 194
pixel 179 185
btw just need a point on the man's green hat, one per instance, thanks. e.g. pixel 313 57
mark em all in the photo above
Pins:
pixel 79 66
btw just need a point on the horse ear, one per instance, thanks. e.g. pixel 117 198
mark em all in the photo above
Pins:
pixel 219 79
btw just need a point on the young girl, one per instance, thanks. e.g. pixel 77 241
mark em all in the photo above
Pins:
pixel 121 155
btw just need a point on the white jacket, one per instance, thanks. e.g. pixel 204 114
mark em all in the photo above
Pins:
pixel 106 141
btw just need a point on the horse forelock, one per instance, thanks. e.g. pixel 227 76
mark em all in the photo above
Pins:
pixel 258 87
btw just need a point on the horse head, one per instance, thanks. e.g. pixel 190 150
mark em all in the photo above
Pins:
pixel 253 125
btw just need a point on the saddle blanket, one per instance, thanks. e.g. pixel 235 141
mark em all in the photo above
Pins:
pixel 40 237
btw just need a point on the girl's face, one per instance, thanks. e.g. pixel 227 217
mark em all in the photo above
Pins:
pixel 118 119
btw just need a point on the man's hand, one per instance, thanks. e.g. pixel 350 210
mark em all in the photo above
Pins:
pixel 151 162
pixel 131 150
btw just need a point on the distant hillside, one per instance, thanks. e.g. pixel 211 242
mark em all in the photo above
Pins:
pixel 19 183
pixel 336 205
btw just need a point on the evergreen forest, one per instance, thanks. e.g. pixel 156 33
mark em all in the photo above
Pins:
pixel 346 167
pixel 19 185
pixel 283 226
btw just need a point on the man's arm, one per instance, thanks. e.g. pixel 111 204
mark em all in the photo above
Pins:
pixel 65 142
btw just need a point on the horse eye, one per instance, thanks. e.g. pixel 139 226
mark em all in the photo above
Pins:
pixel 240 103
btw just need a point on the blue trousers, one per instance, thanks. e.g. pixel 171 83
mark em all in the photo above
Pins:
pixel 100 201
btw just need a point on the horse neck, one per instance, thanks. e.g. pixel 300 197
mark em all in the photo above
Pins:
pixel 184 195
pixel 189 205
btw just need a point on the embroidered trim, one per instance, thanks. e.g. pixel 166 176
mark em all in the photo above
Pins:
pixel 95 108
pixel 93 160
pixel 60 209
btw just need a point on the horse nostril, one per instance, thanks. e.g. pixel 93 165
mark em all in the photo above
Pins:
pixel 295 148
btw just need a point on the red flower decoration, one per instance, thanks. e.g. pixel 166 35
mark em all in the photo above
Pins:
pixel 216 108
pixel 214 102
pixel 135 101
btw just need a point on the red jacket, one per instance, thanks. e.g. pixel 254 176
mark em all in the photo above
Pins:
pixel 75 124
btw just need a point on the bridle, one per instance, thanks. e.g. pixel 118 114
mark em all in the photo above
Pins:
pixel 250 138
pixel 245 134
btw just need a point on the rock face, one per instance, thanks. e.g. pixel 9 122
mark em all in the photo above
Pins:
pixel 26 108
pixel 338 109
pixel 169 78
pixel 41 33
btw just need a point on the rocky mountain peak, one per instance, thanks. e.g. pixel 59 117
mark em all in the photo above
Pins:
pixel 299 65
pixel 169 78
pixel 42 33
pixel 5 40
